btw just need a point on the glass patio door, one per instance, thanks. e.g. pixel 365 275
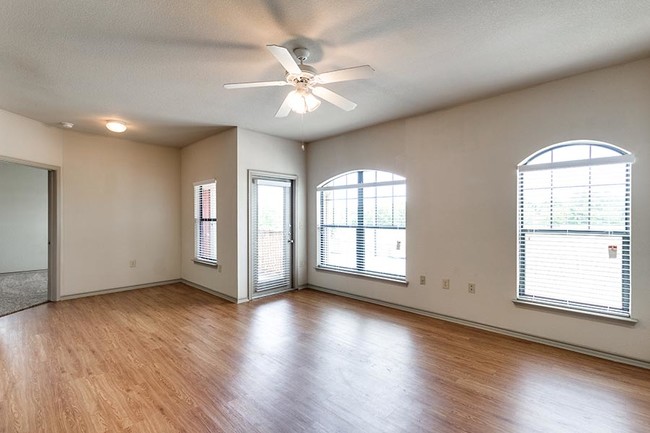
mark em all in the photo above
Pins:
pixel 271 235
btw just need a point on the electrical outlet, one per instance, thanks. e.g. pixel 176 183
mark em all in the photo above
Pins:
pixel 132 263
pixel 445 284
pixel 423 280
pixel 471 288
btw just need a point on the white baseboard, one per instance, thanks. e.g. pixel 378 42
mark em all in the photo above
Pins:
pixel 22 272
pixel 272 293
pixel 213 292
pixel 117 289
pixel 495 329
pixel 154 284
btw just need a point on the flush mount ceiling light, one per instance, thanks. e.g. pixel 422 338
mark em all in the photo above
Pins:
pixel 66 125
pixel 116 126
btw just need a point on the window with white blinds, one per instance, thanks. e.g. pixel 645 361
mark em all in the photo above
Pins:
pixel 362 224
pixel 574 228
pixel 205 221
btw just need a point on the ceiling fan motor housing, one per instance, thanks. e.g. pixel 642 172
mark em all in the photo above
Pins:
pixel 306 76
pixel 302 54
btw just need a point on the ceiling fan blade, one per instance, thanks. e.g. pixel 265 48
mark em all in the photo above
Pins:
pixel 356 73
pixel 255 84
pixel 334 98
pixel 285 58
pixel 285 108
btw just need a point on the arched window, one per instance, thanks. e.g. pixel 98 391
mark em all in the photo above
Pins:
pixel 574 227
pixel 362 224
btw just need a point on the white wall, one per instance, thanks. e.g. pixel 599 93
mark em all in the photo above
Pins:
pixel 460 166
pixel 121 202
pixel 23 218
pixel 263 152
pixel 212 158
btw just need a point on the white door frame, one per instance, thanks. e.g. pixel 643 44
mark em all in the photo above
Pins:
pixel 53 223
pixel 254 174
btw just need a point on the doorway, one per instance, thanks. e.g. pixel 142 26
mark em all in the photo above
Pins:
pixel 271 233
pixel 27 202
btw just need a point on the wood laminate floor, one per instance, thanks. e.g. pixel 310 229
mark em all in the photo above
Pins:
pixel 174 359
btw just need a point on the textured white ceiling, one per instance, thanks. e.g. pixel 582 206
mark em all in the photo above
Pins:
pixel 160 65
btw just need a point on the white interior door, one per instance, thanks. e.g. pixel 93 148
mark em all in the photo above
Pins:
pixel 271 235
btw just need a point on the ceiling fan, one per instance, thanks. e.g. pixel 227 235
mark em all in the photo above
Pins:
pixel 307 82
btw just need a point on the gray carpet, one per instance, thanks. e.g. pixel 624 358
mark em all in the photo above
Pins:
pixel 20 290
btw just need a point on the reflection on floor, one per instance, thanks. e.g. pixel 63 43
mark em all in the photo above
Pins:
pixel 20 290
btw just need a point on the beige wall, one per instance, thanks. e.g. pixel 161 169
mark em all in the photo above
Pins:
pixel 28 140
pixel 460 166
pixel 23 218
pixel 212 158
pixel 263 152
pixel 118 201
pixel 121 202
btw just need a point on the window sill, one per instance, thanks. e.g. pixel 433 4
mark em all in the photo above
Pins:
pixel 206 263
pixel 394 280
pixel 626 320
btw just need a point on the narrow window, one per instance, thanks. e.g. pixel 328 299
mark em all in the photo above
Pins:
pixel 362 224
pixel 574 227
pixel 205 221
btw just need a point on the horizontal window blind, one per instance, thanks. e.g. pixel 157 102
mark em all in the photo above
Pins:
pixel 362 224
pixel 574 230
pixel 205 221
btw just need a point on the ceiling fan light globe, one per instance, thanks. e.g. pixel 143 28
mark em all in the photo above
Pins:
pixel 302 102
pixel 297 102
pixel 311 102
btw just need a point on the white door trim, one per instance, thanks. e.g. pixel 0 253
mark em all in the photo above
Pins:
pixel 255 174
